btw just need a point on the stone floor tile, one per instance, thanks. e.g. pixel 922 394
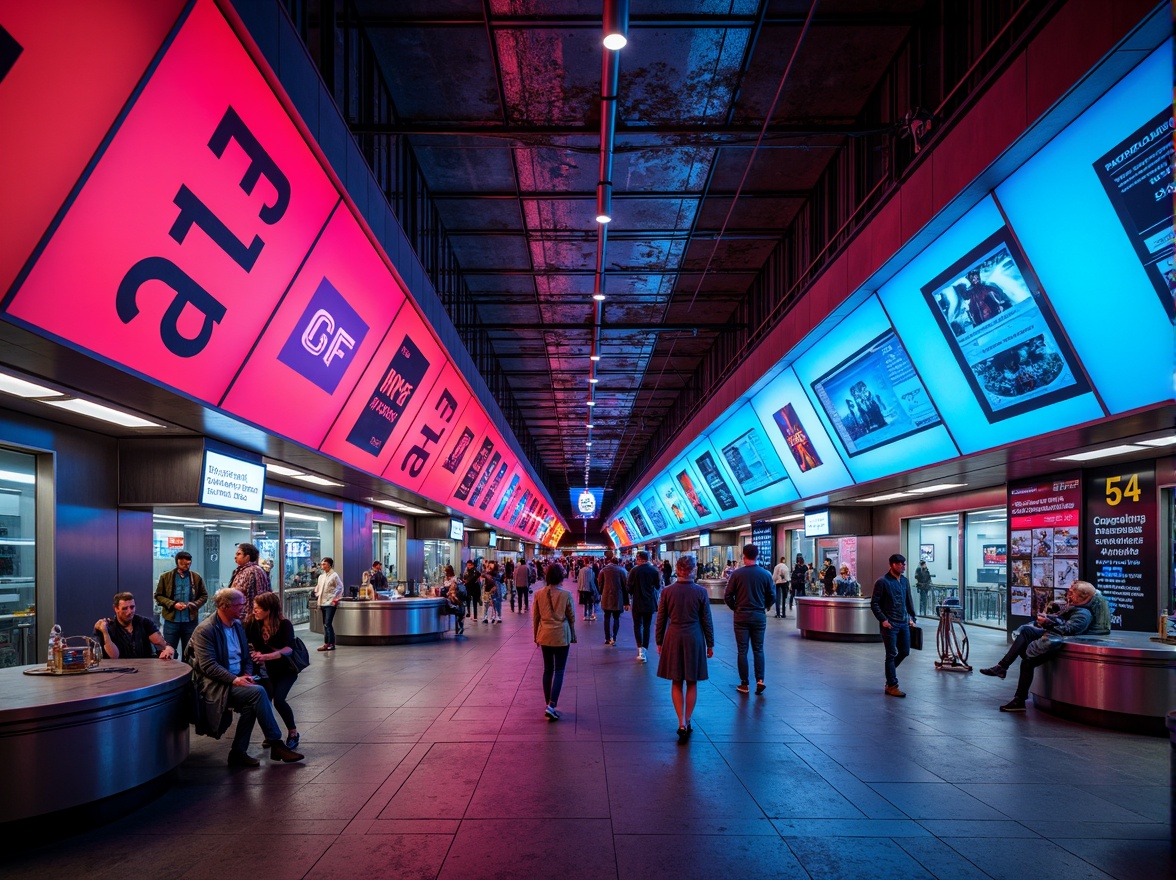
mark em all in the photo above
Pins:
pixel 403 856
pixel 640 857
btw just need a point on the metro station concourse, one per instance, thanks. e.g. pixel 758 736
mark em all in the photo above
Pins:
pixel 289 286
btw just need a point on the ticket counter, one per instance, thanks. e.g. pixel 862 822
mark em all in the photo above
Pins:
pixel 836 618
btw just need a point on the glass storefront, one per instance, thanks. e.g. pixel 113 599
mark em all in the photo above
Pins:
pixel 965 557
pixel 290 555
pixel 18 558
pixel 712 561
pixel 387 545
pixel 439 554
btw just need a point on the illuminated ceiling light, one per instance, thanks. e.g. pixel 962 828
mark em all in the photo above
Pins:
pixel 281 470
pixel 102 413
pixel 615 42
pixel 940 487
pixel 592 403
pixel 616 24
pixel 787 518
pixel 889 497
pixel 604 202
pixel 21 388
pixel 1101 453
pixel 589 426
pixel 593 380
pixel 599 297
pixel 587 442
pixel 318 481
pixel 16 477
pixel 1159 441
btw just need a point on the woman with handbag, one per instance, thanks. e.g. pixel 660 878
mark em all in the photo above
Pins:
pixel 553 618
pixel 271 642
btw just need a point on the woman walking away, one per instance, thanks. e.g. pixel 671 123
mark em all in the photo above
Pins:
pixel 586 579
pixel 553 617
pixel 271 641
pixel 685 637
pixel 328 592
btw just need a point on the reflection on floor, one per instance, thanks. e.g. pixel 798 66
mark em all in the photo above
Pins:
pixel 436 761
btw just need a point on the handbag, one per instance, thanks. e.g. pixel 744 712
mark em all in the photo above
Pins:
pixel 299 657
pixel 916 638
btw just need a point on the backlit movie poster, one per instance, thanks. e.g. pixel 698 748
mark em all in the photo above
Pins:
pixel 717 482
pixel 388 400
pixel 692 493
pixel 1002 331
pixel 751 458
pixel 797 438
pixel 649 502
pixel 875 397
pixel 1137 176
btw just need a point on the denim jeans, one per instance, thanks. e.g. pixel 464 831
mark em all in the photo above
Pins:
pixel 897 639
pixel 753 633
pixel 555 658
pixel 252 703
pixel 175 632
pixel 278 689
pixel 329 624
pixel 642 624
pixel 612 624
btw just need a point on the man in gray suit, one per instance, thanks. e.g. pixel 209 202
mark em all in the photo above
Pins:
pixel 222 672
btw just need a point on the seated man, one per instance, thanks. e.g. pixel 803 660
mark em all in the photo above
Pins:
pixel 1086 611
pixel 128 635
pixel 223 674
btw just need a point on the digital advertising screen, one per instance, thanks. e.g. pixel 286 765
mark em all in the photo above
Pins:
pixel 746 450
pixel 637 517
pixel 1002 331
pixel 704 539
pixel 694 490
pixel 1012 376
pixel 710 465
pixel 422 452
pixel 658 517
pixel 798 436
pixel 456 530
pixel 232 483
pixel 1093 211
pixel 869 395
pixel 507 495
pixel 681 514
pixel 587 501
pixel 816 523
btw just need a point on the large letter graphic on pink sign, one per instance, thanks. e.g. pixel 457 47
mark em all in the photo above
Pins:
pixel 192 224
pixel 322 336
pixel 421 451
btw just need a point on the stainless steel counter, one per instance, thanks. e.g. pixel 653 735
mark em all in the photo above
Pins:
pixel 836 618
pixel 74 739
pixel 1124 680
pixel 386 621
pixel 715 587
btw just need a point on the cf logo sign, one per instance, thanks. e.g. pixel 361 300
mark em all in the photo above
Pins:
pixel 321 344
pixel 322 339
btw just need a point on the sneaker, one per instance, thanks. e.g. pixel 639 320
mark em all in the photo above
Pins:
pixel 1013 705
pixel 484 620
pixel 551 714
pixel 743 688
pixel 760 687
pixel 997 670
pixel 893 691
pixel 644 656
pixel 498 620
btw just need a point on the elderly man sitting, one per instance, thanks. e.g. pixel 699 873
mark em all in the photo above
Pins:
pixel 223 674
pixel 1086 611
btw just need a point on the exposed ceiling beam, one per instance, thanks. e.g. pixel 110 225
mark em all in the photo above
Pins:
pixel 642 326
pixel 495 271
pixel 661 22
pixel 765 234
pixel 750 130
pixel 618 195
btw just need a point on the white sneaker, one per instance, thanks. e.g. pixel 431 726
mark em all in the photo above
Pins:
pixel 644 659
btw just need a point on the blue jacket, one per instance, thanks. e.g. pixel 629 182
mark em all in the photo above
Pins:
pixel 892 599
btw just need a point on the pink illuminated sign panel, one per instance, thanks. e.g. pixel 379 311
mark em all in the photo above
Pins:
pixel 392 390
pixel 322 336
pixel 194 221
pixel 422 451
pixel 210 251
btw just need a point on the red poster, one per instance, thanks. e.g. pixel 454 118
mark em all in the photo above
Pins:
pixel 76 63
pixel 422 451
pixel 324 333
pixel 389 395
pixel 192 224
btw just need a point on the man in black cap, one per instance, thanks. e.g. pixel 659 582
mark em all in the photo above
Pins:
pixel 895 609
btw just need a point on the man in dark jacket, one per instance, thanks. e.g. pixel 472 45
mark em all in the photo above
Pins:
pixel 895 609
pixel 473 587
pixel 749 594
pixel 1086 611
pixel 223 676
pixel 179 595
pixel 644 584
pixel 612 580
pixel 796 581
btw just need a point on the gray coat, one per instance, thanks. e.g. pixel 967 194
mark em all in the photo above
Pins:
pixel 208 655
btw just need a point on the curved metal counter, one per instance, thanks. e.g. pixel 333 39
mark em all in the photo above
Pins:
pixel 387 621
pixel 1124 680
pixel 836 619
pixel 71 740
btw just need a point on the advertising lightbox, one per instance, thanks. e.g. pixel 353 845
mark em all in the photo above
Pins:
pixel 747 451
pixel 586 502
pixel 869 396
pixel 798 435
pixel 456 530
pixel 232 483
pixel 670 493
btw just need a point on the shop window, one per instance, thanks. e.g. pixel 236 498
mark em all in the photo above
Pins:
pixel 387 545
pixel 985 565
pixel 439 554
pixel 18 557
pixel 309 535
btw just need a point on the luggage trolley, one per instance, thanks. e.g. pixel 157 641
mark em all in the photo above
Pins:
pixel 951 638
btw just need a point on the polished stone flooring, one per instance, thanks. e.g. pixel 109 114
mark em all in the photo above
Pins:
pixel 435 760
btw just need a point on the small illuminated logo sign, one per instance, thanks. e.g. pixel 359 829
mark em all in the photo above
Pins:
pixel 321 346
pixel 587 503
